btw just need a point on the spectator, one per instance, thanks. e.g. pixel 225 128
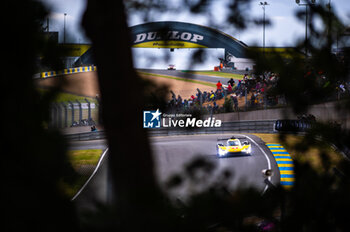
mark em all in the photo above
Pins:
pixel 215 106
pixel 199 96
pixel 190 102
pixel 185 103
pixel 254 100
pixel 239 84
pixel 212 96
pixel 258 86
pixel 229 88
pixel 255 84
pixel 204 96
pixel 179 100
pixel 235 101
pixel 220 94
pixel 173 96
pixel 218 86
pixel 231 82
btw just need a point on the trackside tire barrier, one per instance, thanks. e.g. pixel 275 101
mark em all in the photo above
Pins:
pixel 292 125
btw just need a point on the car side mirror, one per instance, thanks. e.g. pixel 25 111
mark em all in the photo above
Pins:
pixel 220 144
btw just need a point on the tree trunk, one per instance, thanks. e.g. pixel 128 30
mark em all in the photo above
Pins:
pixel 131 164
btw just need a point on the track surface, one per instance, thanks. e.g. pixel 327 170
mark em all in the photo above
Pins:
pixel 177 73
pixel 172 153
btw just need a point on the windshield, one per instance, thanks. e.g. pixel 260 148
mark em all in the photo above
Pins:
pixel 233 143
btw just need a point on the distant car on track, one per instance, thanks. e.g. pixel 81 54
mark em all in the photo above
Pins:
pixel 171 67
pixel 233 146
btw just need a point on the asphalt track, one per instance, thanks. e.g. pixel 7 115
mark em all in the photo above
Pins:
pixel 173 153
pixel 177 73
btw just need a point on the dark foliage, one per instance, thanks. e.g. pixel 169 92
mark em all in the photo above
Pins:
pixel 34 164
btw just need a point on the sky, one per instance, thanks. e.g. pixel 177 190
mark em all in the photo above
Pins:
pixel 285 28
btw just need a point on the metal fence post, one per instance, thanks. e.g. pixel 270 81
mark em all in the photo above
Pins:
pixel 246 98
pixel 200 94
pixel 89 109
pixel 99 102
pixel 80 111
pixel 65 114
pixel 59 115
pixel 52 116
pixel 55 115
pixel 72 107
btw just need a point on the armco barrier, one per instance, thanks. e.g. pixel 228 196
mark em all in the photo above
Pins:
pixel 265 126
pixel 95 135
pixel 68 71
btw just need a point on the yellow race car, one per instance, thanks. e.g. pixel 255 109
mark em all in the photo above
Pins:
pixel 233 146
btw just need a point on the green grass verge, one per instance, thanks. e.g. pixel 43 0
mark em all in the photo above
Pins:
pixel 218 74
pixel 179 79
pixel 311 155
pixel 65 97
pixel 79 159
pixel 84 157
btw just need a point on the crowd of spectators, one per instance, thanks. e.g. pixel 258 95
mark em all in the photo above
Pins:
pixel 251 92
pixel 254 87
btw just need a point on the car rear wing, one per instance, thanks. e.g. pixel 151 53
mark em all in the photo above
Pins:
pixel 220 139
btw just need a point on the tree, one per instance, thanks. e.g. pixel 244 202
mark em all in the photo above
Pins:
pixel 34 166
pixel 136 192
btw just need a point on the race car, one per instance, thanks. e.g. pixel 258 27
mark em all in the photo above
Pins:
pixel 171 67
pixel 233 146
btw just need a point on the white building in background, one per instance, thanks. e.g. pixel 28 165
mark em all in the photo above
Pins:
pixel 182 58
pixel 241 63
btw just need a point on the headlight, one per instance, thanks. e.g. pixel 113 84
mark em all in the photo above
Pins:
pixel 248 150
pixel 222 152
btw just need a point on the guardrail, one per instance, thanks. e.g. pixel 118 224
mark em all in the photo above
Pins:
pixel 263 126
pixel 65 71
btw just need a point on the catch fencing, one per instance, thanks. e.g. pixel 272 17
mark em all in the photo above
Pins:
pixel 74 113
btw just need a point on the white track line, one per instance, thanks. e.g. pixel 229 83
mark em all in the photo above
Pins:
pixel 267 158
pixel 92 175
